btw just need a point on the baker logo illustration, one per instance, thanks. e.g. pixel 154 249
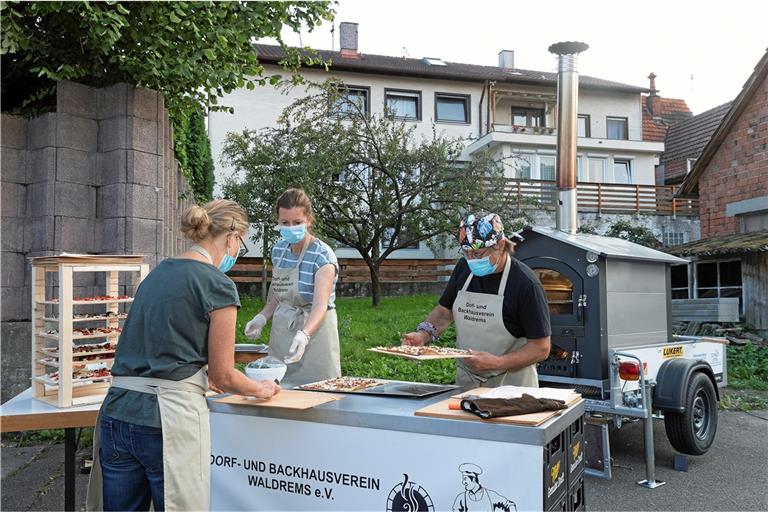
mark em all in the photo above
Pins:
pixel 475 496
pixel 407 496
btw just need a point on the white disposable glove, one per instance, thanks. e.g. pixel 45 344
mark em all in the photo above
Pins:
pixel 254 327
pixel 298 347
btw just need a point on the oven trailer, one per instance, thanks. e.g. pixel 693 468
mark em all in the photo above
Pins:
pixel 610 308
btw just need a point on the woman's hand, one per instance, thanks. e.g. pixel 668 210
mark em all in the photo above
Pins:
pixel 484 361
pixel 254 327
pixel 266 389
pixel 416 339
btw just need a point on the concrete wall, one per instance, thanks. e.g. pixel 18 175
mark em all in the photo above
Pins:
pixel 97 176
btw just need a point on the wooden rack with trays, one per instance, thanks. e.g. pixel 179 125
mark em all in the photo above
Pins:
pixel 64 357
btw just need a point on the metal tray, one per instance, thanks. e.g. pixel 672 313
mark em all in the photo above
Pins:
pixel 399 389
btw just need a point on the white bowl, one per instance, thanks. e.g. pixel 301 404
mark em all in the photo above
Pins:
pixel 270 374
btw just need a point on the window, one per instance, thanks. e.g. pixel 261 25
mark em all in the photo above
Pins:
pixel 522 116
pixel 547 168
pixel 580 172
pixel 596 170
pixel 689 164
pixel 522 165
pixel 403 104
pixel 719 279
pixel 622 171
pixel 400 238
pixel 673 238
pixel 617 128
pixel 452 108
pixel 582 126
pixel 679 275
pixel 350 96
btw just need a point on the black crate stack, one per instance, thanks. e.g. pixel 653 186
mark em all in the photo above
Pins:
pixel 564 470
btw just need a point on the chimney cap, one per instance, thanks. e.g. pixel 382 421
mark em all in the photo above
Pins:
pixel 568 47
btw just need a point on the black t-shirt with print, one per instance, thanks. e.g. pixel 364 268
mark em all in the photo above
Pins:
pixel 525 311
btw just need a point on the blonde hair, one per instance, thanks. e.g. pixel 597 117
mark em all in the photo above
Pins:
pixel 295 197
pixel 212 219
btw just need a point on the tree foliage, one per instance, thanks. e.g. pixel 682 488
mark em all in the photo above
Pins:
pixel 193 52
pixel 638 234
pixel 193 151
pixel 375 185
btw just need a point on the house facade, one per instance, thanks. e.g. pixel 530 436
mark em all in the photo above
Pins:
pixel 509 110
pixel 730 179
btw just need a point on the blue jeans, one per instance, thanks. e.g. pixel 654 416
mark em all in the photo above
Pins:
pixel 132 465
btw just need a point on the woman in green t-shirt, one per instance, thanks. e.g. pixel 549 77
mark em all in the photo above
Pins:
pixel 155 417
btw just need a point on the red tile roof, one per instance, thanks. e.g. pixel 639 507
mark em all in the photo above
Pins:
pixel 666 112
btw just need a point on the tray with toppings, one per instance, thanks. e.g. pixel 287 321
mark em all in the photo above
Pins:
pixel 88 373
pixel 87 333
pixel 381 387
pixel 424 353
pixel 84 350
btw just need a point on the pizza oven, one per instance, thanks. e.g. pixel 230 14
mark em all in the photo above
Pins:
pixel 603 293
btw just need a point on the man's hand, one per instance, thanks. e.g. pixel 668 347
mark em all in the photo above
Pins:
pixel 416 339
pixel 483 361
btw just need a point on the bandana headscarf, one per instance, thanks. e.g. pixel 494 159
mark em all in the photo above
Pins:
pixel 480 231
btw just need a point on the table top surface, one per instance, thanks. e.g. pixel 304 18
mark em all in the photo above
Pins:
pixel 23 412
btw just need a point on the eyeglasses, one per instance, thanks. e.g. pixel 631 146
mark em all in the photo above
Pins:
pixel 243 248
pixel 473 254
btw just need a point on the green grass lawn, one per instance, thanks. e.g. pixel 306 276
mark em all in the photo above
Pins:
pixel 362 326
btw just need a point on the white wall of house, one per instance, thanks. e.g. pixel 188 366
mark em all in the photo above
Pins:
pixel 601 105
pixel 261 108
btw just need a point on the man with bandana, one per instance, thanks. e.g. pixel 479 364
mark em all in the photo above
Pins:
pixel 499 308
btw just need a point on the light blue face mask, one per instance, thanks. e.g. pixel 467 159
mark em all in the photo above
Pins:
pixel 227 262
pixel 481 266
pixel 293 234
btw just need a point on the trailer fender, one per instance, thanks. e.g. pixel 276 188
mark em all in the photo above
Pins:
pixel 672 383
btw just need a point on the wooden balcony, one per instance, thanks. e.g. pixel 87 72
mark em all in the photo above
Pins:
pixel 605 198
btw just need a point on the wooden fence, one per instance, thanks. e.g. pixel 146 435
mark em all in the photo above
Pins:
pixel 249 270
pixel 605 197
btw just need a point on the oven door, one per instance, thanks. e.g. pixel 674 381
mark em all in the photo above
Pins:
pixel 563 286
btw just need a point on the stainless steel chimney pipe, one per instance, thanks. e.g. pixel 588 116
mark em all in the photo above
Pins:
pixel 566 214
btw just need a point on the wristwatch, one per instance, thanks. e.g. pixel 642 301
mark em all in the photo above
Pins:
pixel 429 328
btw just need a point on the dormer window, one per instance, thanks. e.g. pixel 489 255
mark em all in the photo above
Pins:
pixel 434 61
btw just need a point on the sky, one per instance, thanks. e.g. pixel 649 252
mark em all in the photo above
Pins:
pixel 701 51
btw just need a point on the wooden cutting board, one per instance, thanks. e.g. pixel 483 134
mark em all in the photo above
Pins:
pixel 285 399
pixel 441 410
pixel 430 357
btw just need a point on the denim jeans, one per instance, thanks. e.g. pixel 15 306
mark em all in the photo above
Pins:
pixel 132 465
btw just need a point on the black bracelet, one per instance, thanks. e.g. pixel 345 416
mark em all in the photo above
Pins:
pixel 429 328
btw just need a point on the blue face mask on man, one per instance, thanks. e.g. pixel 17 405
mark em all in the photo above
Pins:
pixel 293 234
pixel 481 266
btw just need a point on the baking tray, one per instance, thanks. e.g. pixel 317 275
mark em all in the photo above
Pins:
pixel 397 388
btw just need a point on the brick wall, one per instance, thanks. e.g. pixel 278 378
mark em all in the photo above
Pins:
pixel 739 168
pixel 97 176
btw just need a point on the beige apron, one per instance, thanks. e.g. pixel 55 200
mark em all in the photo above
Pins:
pixel 321 359
pixel 480 326
pixel 186 441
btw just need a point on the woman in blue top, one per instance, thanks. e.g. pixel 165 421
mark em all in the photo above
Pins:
pixel 153 440
pixel 301 298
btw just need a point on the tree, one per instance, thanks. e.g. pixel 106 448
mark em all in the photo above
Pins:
pixel 192 52
pixel 375 186
pixel 638 234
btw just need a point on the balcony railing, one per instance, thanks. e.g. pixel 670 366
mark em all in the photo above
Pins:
pixel 604 197
pixel 529 130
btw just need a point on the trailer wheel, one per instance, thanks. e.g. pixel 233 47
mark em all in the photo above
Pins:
pixel 693 430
